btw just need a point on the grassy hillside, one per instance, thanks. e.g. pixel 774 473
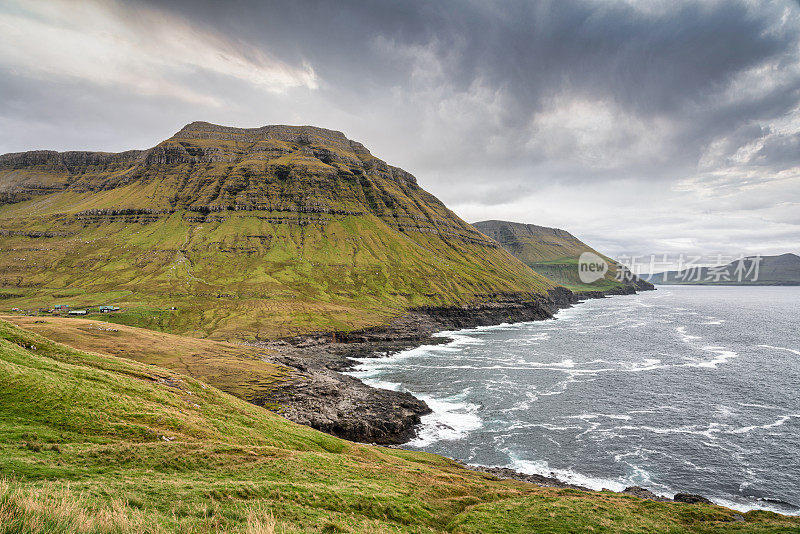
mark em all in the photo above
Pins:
pixel 235 369
pixel 246 232
pixel 551 252
pixel 92 443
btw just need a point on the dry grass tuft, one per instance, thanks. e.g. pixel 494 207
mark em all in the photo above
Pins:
pixel 54 508
pixel 258 523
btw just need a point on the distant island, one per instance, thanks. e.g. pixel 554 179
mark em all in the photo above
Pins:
pixel 783 270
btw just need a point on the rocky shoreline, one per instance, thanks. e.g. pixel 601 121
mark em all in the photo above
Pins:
pixel 553 482
pixel 320 396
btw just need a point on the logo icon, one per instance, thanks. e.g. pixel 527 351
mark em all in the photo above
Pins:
pixel 591 267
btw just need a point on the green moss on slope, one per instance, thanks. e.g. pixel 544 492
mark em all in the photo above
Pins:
pixel 246 232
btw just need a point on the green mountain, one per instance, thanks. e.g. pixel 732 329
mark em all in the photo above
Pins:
pixel 555 253
pixel 98 444
pixel 258 232
pixel 783 270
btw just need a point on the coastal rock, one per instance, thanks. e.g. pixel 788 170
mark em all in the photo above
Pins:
pixel 539 480
pixel 320 396
pixel 643 493
pixel 344 406
pixel 552 481
pixel 691 498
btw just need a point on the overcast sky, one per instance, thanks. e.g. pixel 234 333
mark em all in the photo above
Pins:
pixel 640 126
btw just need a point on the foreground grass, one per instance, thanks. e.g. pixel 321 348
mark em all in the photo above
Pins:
pixel 236 369
pixel 93 443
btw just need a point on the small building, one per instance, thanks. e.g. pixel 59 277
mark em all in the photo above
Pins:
pixel 108 309
pixel 77 312
pixel 58 308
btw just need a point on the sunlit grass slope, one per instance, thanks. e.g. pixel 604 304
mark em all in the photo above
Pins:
pixel 246 232
pixel 92 443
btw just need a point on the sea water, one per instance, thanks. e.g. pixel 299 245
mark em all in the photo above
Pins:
pixel 683 389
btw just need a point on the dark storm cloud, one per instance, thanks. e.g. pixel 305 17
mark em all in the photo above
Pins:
pixel 674 59
pixel 540 111
pixel 653 61
pixel 779 152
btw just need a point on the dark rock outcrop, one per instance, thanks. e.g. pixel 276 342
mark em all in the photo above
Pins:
pixel 539 480
pixel 642 493
pixel 691 498
pixel 320 396
pixel 344 406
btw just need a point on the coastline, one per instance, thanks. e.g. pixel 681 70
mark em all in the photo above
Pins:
pixel 328 400
pixel 321 396
pixel 554 482
pixel 415 365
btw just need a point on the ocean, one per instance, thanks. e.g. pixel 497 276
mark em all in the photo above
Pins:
pixel 684 389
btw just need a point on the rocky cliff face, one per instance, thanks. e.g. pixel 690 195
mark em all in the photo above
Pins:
pixel 206 168
pixel 261 231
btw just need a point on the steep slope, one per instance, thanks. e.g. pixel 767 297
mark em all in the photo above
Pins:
pixel 256 232
pixel 554 253
pixel 92 443
pixel 783 270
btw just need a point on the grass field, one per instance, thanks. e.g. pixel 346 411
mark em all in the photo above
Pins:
pixel 97 444
pixel 225 283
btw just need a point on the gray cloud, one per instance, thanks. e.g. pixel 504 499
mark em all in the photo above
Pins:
pixel 680 118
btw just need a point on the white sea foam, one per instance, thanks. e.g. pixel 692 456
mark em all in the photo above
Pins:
pixel 722 356
pixel 450 420
pixel 764 406
pixel 747 506
pixel 529 339
pixel 793 351
pixel 541 467
pixel 711 431
pixel 686 338
pixel 649 364
pixel 778 422
pixel 380 384
pixel 585 416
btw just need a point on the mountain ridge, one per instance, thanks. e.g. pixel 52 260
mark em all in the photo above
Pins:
pixel 290 229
